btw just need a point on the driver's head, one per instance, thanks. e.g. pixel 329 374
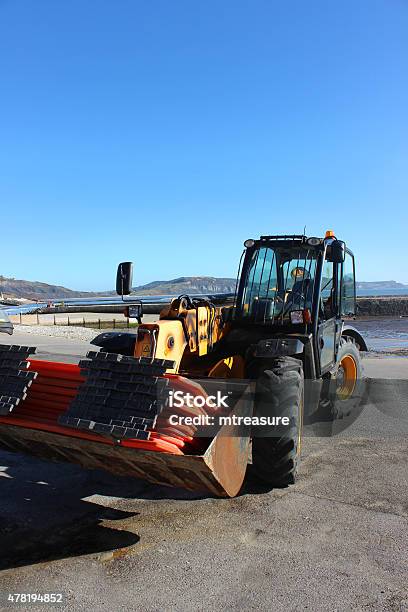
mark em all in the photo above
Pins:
pixel 300 273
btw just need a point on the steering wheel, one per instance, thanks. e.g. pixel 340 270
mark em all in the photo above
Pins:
pixel 278 297
pixel 298 296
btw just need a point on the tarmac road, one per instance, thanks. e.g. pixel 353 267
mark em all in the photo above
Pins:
pixel 51 348
pixel 337 540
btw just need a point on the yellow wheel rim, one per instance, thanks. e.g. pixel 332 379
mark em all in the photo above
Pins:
pixel 346 377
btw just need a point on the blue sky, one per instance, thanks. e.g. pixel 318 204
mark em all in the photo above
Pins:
pixel 169 132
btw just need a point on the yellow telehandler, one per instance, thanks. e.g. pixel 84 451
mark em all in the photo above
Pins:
pixel 188 400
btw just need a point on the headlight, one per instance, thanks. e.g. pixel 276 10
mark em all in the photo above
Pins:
pixel 313 241
pixel 249 243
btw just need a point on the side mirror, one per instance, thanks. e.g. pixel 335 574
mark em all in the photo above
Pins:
pixel 124 278
pixel 338 251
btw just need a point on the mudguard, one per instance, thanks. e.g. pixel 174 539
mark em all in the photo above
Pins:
pixel 349 331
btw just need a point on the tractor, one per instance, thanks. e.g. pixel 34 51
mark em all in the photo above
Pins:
pixel 281 343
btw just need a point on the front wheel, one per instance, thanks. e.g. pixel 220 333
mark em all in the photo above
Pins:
pixel 347 377
pixel 276 450
pixel 343 393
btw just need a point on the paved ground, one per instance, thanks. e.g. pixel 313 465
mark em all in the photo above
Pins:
pixel 49 347
pixel 337 540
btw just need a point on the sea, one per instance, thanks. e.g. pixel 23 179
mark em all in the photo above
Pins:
pixel 26 308
pixel 400 291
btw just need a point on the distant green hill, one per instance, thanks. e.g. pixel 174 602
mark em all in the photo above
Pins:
pixel 188 284
pixel 35 290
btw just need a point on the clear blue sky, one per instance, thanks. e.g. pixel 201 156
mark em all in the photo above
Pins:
pixel 168 132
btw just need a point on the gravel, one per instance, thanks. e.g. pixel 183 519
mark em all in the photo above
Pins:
pixel 59 331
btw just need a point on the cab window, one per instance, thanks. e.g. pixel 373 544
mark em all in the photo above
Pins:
pixel 327 289
pixel 348 296
pixel 261 277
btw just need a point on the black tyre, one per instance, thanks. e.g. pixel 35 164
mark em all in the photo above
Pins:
pixel 348 373
pixel 344 394
pixel 276 450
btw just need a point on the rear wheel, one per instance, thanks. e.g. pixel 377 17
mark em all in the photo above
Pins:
pixel 276 450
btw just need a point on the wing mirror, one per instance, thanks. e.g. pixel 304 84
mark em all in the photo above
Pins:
pixel 124 278
pixel 337 251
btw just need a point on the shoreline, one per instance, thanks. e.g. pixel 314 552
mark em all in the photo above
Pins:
pixel 372 306
pixel 385 337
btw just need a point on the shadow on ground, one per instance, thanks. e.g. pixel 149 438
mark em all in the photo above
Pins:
pixel 45 514
pixel 46 518
pixel 52 511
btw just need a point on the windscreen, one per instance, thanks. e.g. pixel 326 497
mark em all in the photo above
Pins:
pixel 278 280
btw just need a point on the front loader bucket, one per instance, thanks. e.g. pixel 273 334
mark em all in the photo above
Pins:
pixel 32 428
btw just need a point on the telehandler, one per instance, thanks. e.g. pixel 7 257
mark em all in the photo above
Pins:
pixel 282 344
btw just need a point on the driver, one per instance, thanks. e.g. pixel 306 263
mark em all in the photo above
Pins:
pixel 301 294
pixel 299 274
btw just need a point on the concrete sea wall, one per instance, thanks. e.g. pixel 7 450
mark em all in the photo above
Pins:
pixel 390 306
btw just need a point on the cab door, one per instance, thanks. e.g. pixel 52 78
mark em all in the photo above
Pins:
pixel 348 287
pixel 329 327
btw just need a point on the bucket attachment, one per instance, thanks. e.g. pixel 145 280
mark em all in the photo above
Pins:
pixel 40 425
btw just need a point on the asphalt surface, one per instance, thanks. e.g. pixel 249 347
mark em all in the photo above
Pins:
pixel 50 348
pixel 337 540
